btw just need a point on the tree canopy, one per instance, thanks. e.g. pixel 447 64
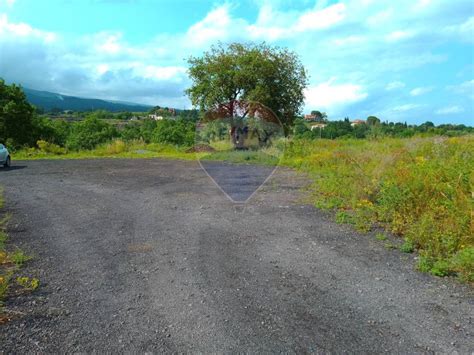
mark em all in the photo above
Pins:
pixel 271 76
pixel 16 116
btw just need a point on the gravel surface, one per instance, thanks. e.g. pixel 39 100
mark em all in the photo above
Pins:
pixel 149 255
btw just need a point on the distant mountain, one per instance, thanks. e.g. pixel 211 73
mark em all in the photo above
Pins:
pixel 49 100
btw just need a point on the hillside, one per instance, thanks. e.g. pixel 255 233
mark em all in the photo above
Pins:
pixel 49 100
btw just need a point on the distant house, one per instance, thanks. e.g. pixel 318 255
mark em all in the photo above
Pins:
pixel 155 117
pixel 310 117
pixel 318 126
pixel 357 122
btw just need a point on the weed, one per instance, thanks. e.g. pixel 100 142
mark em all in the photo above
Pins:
pixel 417 188
pixel 28 283
pixel 19 257
pixel 407 246
pixel 441 268
pixel 343 217
pixel 3 239
pixel 463 264
pixel 390 246
pixel 381 236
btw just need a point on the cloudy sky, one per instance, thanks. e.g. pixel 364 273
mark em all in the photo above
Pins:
pixel 404 60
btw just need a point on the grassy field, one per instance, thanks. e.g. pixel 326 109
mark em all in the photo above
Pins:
pixel 419 189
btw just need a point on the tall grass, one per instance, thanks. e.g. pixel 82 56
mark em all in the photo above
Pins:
pixel 419 189
pixel 114 149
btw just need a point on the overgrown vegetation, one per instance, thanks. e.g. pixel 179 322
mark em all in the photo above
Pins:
pixel 11 260
pixel 418 188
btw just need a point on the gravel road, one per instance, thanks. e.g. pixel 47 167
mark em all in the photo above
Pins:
pixel 150 256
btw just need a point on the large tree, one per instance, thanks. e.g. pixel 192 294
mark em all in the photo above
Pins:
pixel 16 116
pixel 271 76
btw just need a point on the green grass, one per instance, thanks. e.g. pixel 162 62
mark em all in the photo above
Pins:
pixel 419 189
pixel 18 257
pixel 116 149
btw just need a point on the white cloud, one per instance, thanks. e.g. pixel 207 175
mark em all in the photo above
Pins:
pixel 464 31
pixel 394 85
pixel 329 96
pixel 420 91
pixel 380 17
pixel 449 110
pixel 406 107
pixel 102 69
pixel 348 41
pixel 465 88
pixel 109 43
pixel 399 35
pixel 22 30
pixel 319 19
pixel 163 73
pixel 213 27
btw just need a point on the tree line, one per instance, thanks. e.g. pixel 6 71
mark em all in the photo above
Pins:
pixel 374 128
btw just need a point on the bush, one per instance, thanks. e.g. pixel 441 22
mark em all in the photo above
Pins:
pixel 116 147
pixel 179 132
pixel 463 263
pixel 90 133
pixel 51 148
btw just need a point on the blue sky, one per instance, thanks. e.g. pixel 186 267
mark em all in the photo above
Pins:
pixel 404 60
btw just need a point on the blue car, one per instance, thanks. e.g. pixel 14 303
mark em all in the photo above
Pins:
pixel 5 159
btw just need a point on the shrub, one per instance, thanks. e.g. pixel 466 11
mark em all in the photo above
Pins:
pixel 116 147
pixel 47 147
pixel 90 133
pixel 407 246
pixel 463 263
pixel 179 132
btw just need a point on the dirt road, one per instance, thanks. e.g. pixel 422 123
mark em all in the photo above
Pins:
pixel 149 255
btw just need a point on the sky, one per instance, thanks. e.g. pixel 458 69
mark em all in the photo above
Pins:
pixel 404 60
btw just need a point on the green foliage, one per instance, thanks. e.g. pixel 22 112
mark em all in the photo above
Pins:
pixel 27 282
pixel 53 131
pixel 381 236
pixel 343 217
pixel 407 246
pixel 268 75
pixel 89 133
pixel 372 121
pixel 179 132
pixel 16 116
pixel 463 263
pixel 52 148
pixel 19 257
pixel 418 188
pixel 390 246
pixel 4 285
